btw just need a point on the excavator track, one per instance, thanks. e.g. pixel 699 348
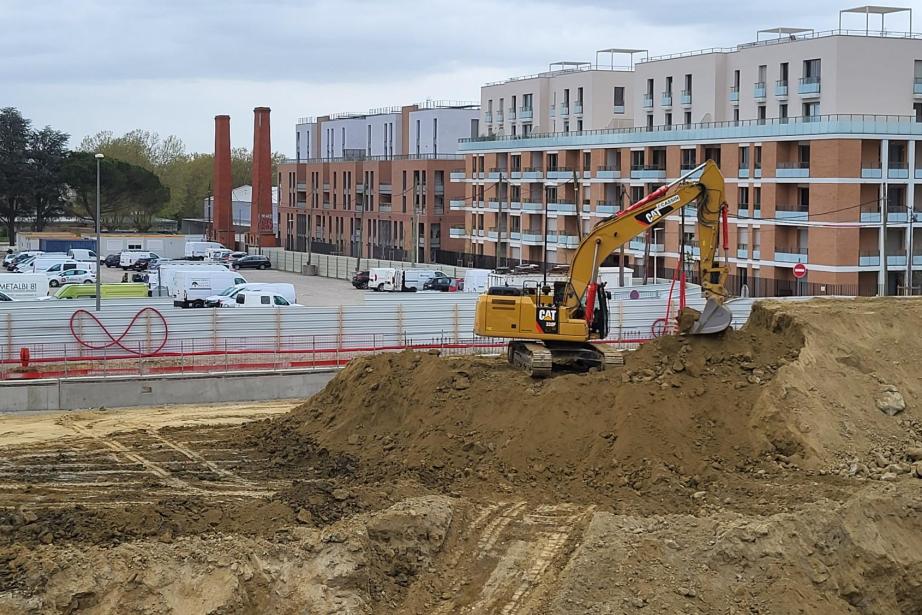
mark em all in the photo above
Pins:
pixel 611 357
pixel 534 359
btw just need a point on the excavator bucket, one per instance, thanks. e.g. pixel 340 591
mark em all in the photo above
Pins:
pixel 713 319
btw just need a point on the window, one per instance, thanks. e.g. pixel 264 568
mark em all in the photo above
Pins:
pixel 783 72
pixel 435 136
pixel 649 121
pixel 566 125
pixel 688 118
pixel 279 300
pixel 587 161
pixel 668 90
pixel 744 157
pixel 688 84
pixel 811 111
pixel 513 130
pixel 689 159
pixel 917 111
pixel 743 196
pixel 368 144
pixel 134 246
pixel 763 72
pixel 418 128
pixel 757 157
pixel 742 238
pixel 649 87
pixel 637 193
pixel 579 96
pixel 783 112
pixel 757 198
pixel 619 99
pixel 637 159
pixel 264 300
pixel 803 154
pixel 579 125
pixel 526 102
pixel 811 71
pixel 668 119
pixel 526 129
pixel 736 115
pixel 736 80
pixel 761 113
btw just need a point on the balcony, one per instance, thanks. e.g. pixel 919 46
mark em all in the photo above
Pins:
pixel 515 174
pixel 511 112
pixel 735 94
pixel 872 259
pixel 917 87
pixel 385 208
pixel 531 173
pixel 499 117
pixel 564 109
pixel 618 110
pixel 457 232
pixel 781 88
pixel 742 253
pixel 742 211
pixel 562 207
pixel 791 211
pixel 648 101
pixel 757 172
pixel 809 86
pixel 440 189
pixel 793 170
pixel 531 206
pixel 686 97
pixel 666 99
pixel 552 111
pixel 648 172
pixel 870 214
pixel 898 170
pixel 385 188
pixel 567 241
pixel 560 173
pixel 743 172
pixel 456 205
pixel 758 90
pixel 871 171
pixel 918 173
pixel 301 186
pixel 800 256
pixel 327 205
pixel 526 113
pixel 756 254
pixel 488 117
pixel 608 172
pixel 494 174
pixel 578 108
pixel 532 237
pixel 604 208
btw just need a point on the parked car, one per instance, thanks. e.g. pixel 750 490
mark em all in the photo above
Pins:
pixel 261 299
pixel 142 263
pixel 228 296
pixel 360 280
pixel 252 261
pixel 111 260
pixel 237 255
pixel 444 284
pixel 72 276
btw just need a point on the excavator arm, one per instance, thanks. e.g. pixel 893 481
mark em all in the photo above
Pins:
pixel 703 186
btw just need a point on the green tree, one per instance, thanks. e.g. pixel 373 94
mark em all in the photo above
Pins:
pixel 131 196
pixel 47 191
pixel 15 131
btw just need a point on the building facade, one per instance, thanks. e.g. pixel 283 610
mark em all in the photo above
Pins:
pixel 375 184
pixel 816 133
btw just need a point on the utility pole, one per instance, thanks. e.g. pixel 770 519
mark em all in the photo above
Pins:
pixel 415 217
pixel 499 222
pixel 99 157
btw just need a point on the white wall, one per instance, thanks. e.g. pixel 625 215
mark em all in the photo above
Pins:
pixel 332 133
pixel 386 134
pixel 304 139
pixel 453 124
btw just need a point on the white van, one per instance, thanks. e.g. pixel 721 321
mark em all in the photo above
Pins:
pixel 192 287
pixel 250 298
pixel 218 255
pixel 415 279
pixel 382 278
pixel 199 249
pixel 227 297
pixel 82 255
pixel 128 258
pixel 476 280
pixel 45 262
pixel 405 280
pixel 162 281
pixel 24 286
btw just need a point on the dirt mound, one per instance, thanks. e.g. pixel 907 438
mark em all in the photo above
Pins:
pixel 795 387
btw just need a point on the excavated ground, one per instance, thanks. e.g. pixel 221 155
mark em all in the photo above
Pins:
pixel 769 470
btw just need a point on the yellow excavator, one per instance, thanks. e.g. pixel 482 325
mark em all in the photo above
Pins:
pixel 551 324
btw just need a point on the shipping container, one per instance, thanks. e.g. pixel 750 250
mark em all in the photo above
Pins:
pixel 64 245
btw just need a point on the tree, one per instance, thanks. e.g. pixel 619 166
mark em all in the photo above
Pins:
pixel 130 194
pixel 47 190
pixel 15 133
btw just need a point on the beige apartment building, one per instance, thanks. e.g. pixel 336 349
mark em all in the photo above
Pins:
pixel 816 133
pixel 375 184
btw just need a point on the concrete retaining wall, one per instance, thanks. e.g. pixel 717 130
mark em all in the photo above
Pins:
pixel 114 392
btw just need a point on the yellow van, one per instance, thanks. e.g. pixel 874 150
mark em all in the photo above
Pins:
pixel 109 291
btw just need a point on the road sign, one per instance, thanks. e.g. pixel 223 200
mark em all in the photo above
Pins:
pixel 800 270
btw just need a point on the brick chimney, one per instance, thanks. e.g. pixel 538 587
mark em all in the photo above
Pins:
pixel 262 233
pixel 222 226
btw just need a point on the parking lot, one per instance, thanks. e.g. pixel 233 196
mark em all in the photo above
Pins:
pixel 310 290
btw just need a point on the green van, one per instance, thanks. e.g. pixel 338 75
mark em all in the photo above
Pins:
pixel 109 291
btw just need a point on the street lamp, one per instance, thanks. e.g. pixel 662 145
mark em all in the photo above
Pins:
pixel 99 157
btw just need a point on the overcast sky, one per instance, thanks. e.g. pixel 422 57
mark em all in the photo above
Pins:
pixel 171 65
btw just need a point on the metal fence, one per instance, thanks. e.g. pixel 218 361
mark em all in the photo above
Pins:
pixel 42 339
pixel 340 267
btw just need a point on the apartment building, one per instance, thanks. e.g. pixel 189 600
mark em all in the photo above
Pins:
pixel 816 133
pixel 376 183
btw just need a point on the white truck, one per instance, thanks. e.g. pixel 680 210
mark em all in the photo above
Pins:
pixel 161 281
pixel 228 297
pixel 82 255
pixel 405 280
pixel 191 287
pixel 65 265
pixel 198 250
pixel 261 299
pixel 24 286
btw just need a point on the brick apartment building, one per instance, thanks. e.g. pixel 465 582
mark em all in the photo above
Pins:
pixel 815 132
pixel 362 182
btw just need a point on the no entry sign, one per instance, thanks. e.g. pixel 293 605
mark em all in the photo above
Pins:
pixel 800 270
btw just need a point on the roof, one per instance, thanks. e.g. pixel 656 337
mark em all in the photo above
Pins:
pixel 244 194
pixel 876 10
pixel 784 30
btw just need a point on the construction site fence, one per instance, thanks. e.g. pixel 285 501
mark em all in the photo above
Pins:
pixel 138 336
pixel 340 267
